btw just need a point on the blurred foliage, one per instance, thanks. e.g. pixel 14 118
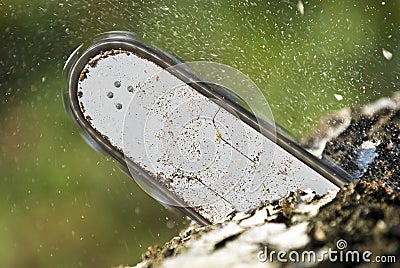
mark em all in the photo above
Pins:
pixel 64 205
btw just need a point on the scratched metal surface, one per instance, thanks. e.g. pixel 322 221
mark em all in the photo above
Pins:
pixel 200 152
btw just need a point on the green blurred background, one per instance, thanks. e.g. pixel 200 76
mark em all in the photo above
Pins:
pixel 64 205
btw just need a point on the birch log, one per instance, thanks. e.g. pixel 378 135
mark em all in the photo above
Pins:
pixel 362 216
